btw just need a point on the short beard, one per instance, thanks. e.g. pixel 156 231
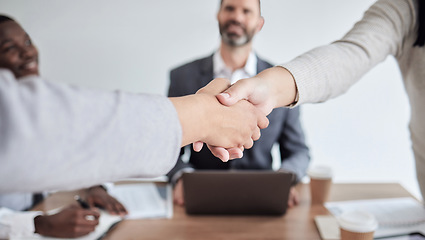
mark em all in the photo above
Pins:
pixel 234 41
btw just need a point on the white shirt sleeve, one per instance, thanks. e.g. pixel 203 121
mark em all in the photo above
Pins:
pixel 16 224
pixel 55 136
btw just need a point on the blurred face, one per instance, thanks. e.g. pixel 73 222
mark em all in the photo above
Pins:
pixel 16 50
pixel 239 21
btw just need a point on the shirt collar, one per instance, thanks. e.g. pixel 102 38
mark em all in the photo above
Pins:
pixel 221 70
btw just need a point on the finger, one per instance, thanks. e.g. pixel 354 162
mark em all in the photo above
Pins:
pixel 179 193
pixel 248 144
pixel 90 212
pixel 197 146
pixel 262 121
pixel 216 86
pixel 238 91
pixel 180 201
pixel 296 198
pixel 115 206
pixel 114 209
pixel 120 209
pixel 110 208
pixel 290 202
pixel 90 202
pixel 220 152
pixel 88 220
pixel 256 134
pixel 235 153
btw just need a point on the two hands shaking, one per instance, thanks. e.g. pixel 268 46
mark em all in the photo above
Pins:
pixel 230 116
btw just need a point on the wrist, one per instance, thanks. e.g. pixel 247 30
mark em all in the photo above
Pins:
pixel 282 85
pixel 193 114
pixel 40 224
pixel 206 115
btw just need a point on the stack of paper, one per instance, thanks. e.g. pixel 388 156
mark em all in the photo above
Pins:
pixel 394 215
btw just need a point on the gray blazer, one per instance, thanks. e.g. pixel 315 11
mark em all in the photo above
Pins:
pixel 284 129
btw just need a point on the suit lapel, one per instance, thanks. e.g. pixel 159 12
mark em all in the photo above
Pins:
pixel 262 65
pixel 206 73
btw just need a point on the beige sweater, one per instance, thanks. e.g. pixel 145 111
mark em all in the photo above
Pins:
pixel 387 28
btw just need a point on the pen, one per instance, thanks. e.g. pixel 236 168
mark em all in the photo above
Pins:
pixel 81 202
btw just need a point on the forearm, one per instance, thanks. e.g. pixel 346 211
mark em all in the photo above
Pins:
pixel 191 110
pixel 78 136
pixel 281 84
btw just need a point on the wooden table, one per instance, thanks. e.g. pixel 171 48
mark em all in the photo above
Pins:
pixel 297 223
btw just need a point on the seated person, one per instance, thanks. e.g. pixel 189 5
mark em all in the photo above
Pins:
pixel 18 54
pixel 235 59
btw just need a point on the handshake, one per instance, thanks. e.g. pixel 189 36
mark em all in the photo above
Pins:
pixel 228 118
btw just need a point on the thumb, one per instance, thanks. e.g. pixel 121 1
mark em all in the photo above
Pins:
pixel 216 86
pixel 238 91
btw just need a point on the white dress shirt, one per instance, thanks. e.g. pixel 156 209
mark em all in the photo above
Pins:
pixel 220 69
pixel 14 222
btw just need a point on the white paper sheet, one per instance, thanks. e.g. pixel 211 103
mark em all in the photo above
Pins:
pixel 142 200
pixel 394 215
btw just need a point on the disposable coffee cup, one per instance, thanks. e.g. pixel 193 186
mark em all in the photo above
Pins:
pixel 320 183
pixel 357 225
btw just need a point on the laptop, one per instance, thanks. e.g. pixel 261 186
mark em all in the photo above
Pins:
pixel 237 192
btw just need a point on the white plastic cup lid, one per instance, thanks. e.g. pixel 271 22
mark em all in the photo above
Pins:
pixel 320 171
pixel 358 221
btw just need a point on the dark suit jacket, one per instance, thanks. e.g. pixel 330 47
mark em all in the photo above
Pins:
pixel 284 128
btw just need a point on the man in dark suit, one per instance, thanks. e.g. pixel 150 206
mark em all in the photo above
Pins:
pixel 239 21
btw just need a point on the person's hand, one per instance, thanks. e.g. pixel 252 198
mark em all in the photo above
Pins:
pixel 178 193
pixel 294 197
pixel 71 222
pixel 204 119
pixel 272 88
pixel 98 197
pixel 214 87
pixel 235 126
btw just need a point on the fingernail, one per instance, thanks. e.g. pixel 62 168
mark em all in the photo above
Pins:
pixel 225 95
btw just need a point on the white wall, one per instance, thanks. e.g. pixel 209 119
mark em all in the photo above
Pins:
pixel 132 44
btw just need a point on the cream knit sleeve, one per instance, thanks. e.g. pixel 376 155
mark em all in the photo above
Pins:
pixel 328 71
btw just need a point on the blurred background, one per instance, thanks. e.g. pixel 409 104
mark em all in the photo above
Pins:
pixel 132 44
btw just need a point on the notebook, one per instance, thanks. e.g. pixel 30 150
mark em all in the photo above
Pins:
pixel 237 192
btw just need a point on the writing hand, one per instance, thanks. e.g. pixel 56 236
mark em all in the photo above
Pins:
pixel 97 196
pixel 71 222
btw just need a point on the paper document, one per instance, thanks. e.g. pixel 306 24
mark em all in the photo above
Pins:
pixel 144 200
pixel 394 215
pixel 105 222
pixel 141 199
